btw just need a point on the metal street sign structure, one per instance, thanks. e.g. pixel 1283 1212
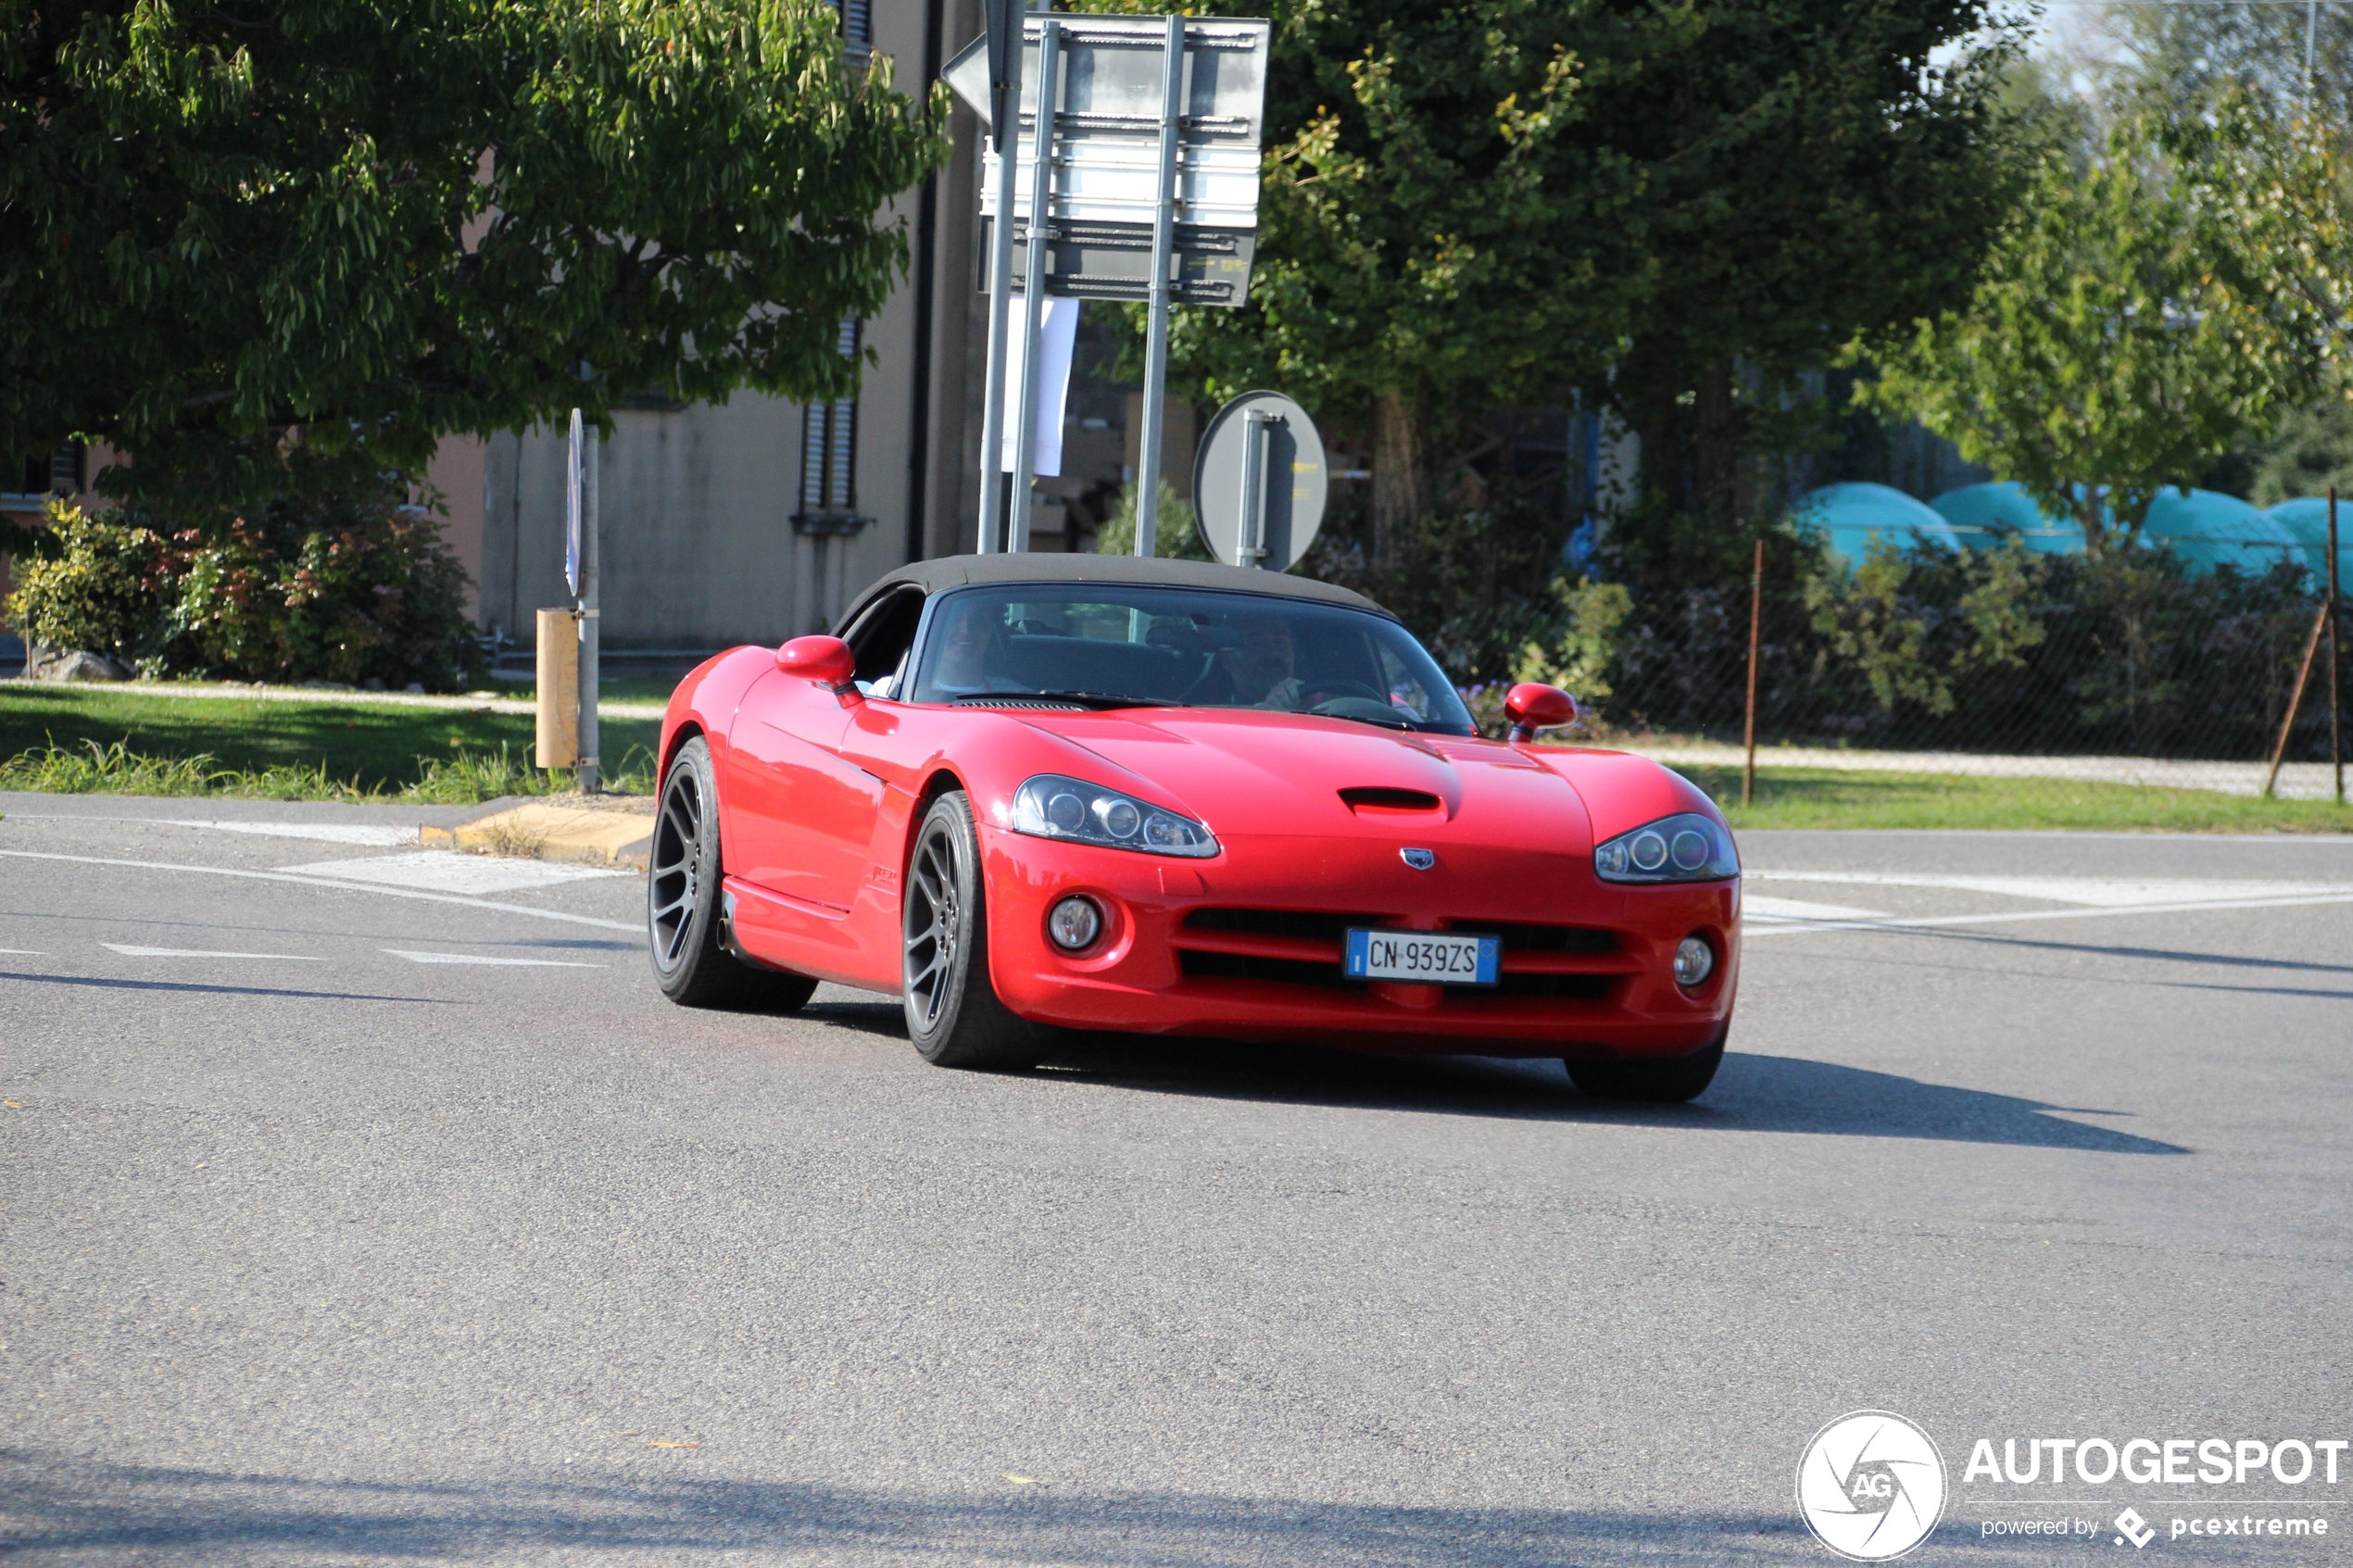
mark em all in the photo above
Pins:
pixel 1260 481
pixel 1149 190
pixel 581 528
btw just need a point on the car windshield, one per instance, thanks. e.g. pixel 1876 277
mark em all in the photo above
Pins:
pixel 1108 645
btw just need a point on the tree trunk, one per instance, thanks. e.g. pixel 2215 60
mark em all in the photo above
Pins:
pixel 1714 447
pixel 1399 496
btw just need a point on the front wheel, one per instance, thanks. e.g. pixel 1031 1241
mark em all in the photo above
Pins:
pixel 683 927
pixel 953 1015
pixel 1663 1080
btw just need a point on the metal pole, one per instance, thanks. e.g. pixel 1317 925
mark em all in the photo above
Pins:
pixel 2311 18
pixel 1748 728
pixel 1006 112
pixel 1250 545
pixel 590 526
pixel 2295 701
pixel 1147 439
pixel 1033 292
pixel 2336 705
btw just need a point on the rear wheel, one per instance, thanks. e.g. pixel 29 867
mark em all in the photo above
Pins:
pixel 683 926
pixel 953 1015
pixel 1669 1080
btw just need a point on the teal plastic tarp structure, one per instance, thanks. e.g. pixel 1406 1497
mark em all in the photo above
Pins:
pixel 2306 519
pixel 1986 514
pixel 1854 515
pixel 2208 529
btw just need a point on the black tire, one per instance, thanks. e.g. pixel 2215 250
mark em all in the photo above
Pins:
pixel 1665 1080
pixel 684 930
pixel 953 1015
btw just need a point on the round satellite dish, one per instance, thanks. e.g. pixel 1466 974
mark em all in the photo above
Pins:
pixel 1260 483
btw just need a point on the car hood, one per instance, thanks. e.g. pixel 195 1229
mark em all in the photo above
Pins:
pixel 1276 774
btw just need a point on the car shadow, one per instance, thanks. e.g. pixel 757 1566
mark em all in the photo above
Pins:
pixel 1751 1093
pixel 71 1507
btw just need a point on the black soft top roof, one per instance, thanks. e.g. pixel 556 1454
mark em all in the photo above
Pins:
pixel 956 571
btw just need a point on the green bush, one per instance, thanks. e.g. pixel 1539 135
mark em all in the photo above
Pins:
pixel 101 591
pixel 349 592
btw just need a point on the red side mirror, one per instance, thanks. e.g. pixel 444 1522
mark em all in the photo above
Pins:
pixel 1531 706
pixel 827 660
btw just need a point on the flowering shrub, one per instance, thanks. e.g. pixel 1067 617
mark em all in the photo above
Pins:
pixel 348 593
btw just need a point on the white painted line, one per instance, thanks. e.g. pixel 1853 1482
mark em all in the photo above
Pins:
pixel 1901 926
pixel 476 957
pixel 384 835
pixel 1756 905
pixel 22 952
pixel 438 871
pixel 563 915
pixel 2105 891
pixel 131 952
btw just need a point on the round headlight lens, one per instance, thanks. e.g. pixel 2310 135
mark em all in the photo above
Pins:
pixel 1694 960
pixel 1120 819
pixel 1650 850
pixel 1066 812
pixel 1689 850
pixel 1073 923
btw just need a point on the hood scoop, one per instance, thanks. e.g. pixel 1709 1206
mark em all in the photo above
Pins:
pixel 1383 801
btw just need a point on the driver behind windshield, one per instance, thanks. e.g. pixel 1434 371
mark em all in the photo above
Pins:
pixel 969 647
pixel 1263 669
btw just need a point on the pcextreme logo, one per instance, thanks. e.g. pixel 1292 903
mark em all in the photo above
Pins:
pixel 1871 1486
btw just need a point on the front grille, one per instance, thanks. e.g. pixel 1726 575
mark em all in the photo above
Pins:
pixel 1573 987
pixel 1197 965
pixel 1548 938
pixel 1314 925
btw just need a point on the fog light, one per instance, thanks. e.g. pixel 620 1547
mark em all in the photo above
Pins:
pixel 1694 960
pixel 1076 923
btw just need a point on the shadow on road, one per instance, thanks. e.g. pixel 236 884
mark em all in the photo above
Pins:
pixel 1753 1094
pixel 81 1508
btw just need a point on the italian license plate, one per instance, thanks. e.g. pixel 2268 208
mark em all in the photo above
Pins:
pixel 1427 956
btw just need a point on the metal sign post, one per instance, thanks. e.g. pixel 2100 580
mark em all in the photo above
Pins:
pixel 1033 292
pixel 1001 45
pixel 1143 185
pixel 581 528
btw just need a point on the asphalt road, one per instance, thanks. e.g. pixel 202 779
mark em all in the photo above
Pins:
pixel 356 1216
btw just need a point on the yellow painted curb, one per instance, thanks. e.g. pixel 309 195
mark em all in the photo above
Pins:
pixel 553 833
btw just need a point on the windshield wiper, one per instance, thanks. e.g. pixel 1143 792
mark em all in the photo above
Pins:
pixel 1377 724
pixel 1086 699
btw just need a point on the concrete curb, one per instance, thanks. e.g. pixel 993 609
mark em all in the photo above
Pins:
pixel 552 833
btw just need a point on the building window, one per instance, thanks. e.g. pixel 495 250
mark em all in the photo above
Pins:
pixel 829 457
pixel 37 479
pixel 857 28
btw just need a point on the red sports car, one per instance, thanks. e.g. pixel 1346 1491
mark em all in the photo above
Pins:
pixel 1027 792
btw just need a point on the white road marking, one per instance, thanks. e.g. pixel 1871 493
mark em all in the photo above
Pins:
pixel 131 952
pixel 563 915
pixel 1756 905
pixel 476 957
pixel 22 952
pixel 438 871
pixel 2107 892
pixel 1899 924
pixel 387 835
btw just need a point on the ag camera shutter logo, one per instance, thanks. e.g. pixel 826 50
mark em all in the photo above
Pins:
pixel 1871 1486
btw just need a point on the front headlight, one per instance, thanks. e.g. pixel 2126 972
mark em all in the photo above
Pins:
pixel 1051 805
pixel 1685 847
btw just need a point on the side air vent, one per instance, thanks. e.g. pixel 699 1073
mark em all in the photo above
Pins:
pixel 992 701
pixel 1379 798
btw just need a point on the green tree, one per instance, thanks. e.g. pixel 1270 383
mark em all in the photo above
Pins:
pixel 2127 331
pixel 1517 201
pixel 274 246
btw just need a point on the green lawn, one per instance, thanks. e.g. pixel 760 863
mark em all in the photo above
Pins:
pixel 377 747
pixel 1827 798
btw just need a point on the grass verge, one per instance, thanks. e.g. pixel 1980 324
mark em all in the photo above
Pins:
pixel 1830 797
pixel 71 741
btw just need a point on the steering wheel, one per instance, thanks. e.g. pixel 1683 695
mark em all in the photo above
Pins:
pixel 1315 694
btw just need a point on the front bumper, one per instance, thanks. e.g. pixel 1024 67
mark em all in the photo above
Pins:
pixel 1246 946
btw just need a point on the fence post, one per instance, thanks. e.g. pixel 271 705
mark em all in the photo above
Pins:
pixel 2295 701
pixel 1748 728
pixel 2336 706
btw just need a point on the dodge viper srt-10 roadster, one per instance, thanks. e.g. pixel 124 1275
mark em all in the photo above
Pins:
pixel 1031 793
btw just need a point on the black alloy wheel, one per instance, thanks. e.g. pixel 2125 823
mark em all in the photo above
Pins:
pixel 953 1015
pixel 1663 1080
pixel 683 927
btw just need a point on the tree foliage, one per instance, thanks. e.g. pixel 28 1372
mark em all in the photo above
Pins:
pixel 2142 312
pixel 266 245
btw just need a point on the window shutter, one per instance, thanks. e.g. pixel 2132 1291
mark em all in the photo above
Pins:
pixel 829 449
